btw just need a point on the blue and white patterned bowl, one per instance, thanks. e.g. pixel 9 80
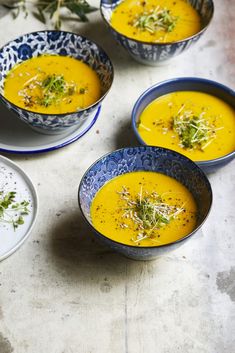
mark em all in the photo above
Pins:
pixel 186 84
pixel 145 158
pixel 153 53
pixel 60 43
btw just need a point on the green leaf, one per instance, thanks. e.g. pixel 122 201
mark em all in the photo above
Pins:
pixel 80 9
pixel 20 220
pixel 53 9
pixel 12 212
pixel 39 15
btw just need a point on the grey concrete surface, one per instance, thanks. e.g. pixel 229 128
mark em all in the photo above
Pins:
pixel 63 291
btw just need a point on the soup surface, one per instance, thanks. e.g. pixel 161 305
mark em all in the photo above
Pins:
pixel 196 124
pixel 144 209
pixel 156 21
pixel 52 84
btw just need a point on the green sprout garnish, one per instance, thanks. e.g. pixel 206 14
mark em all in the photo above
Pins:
pixel 82 90
pixel 148 212
pixel 195 132
pixel 12 212
pixel 52 89
pixel 156 20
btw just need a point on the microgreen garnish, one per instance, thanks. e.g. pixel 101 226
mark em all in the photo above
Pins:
pixel 12 212
pixel 159 19
pixel 148 212
pixel 195 132
pixel 53 88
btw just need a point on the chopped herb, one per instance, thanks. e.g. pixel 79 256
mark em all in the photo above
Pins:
pixel 12 212
pixel 53 88
pixel 54 9
pixel 71 90
pixel 46 90
pixel 82 90
pixel 159 19
pixel 148 212
pixel 195 132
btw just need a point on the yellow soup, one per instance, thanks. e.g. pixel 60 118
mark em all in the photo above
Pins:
pixel 156 21
pixel 52 84
pixel 198 125
pixel 144 209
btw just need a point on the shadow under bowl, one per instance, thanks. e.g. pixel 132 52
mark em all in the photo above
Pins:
pixel 55 43
pixel 145 158
pixel 154 53
pixel 186 84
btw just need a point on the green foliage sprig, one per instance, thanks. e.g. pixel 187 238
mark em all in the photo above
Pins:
pixel 12 212
pixel 42 9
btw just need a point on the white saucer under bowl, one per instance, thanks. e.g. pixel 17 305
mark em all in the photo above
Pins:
pixel 14 179
pixel 18 137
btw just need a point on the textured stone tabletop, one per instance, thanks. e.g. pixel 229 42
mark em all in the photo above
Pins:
pixel 63 291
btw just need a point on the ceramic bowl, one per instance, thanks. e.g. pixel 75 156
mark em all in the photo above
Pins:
pixel 60 43
pixel 186 84
pixel 153 53
pixel 145 158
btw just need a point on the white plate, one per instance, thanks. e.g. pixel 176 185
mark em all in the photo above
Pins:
pixel 17 137
pixel 13 178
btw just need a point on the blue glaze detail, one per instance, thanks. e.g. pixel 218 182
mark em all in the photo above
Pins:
pixel 60 145
pixel 153 53
pixel 60 43
pixel 24 52
pixel 145 158
pixel 186 84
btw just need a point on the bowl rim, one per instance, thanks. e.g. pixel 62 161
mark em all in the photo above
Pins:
pixel 176 80
pixel 62 114
pixel 153 43
pixel 205 178
pixel 35 198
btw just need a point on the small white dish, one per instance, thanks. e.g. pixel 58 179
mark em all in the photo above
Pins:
pixel 18 137
pixel 14 179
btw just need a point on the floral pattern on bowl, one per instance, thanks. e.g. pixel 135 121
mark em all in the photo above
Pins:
pixel 60 43
pixel 145 158
pixel 186 84
pixel 153 53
